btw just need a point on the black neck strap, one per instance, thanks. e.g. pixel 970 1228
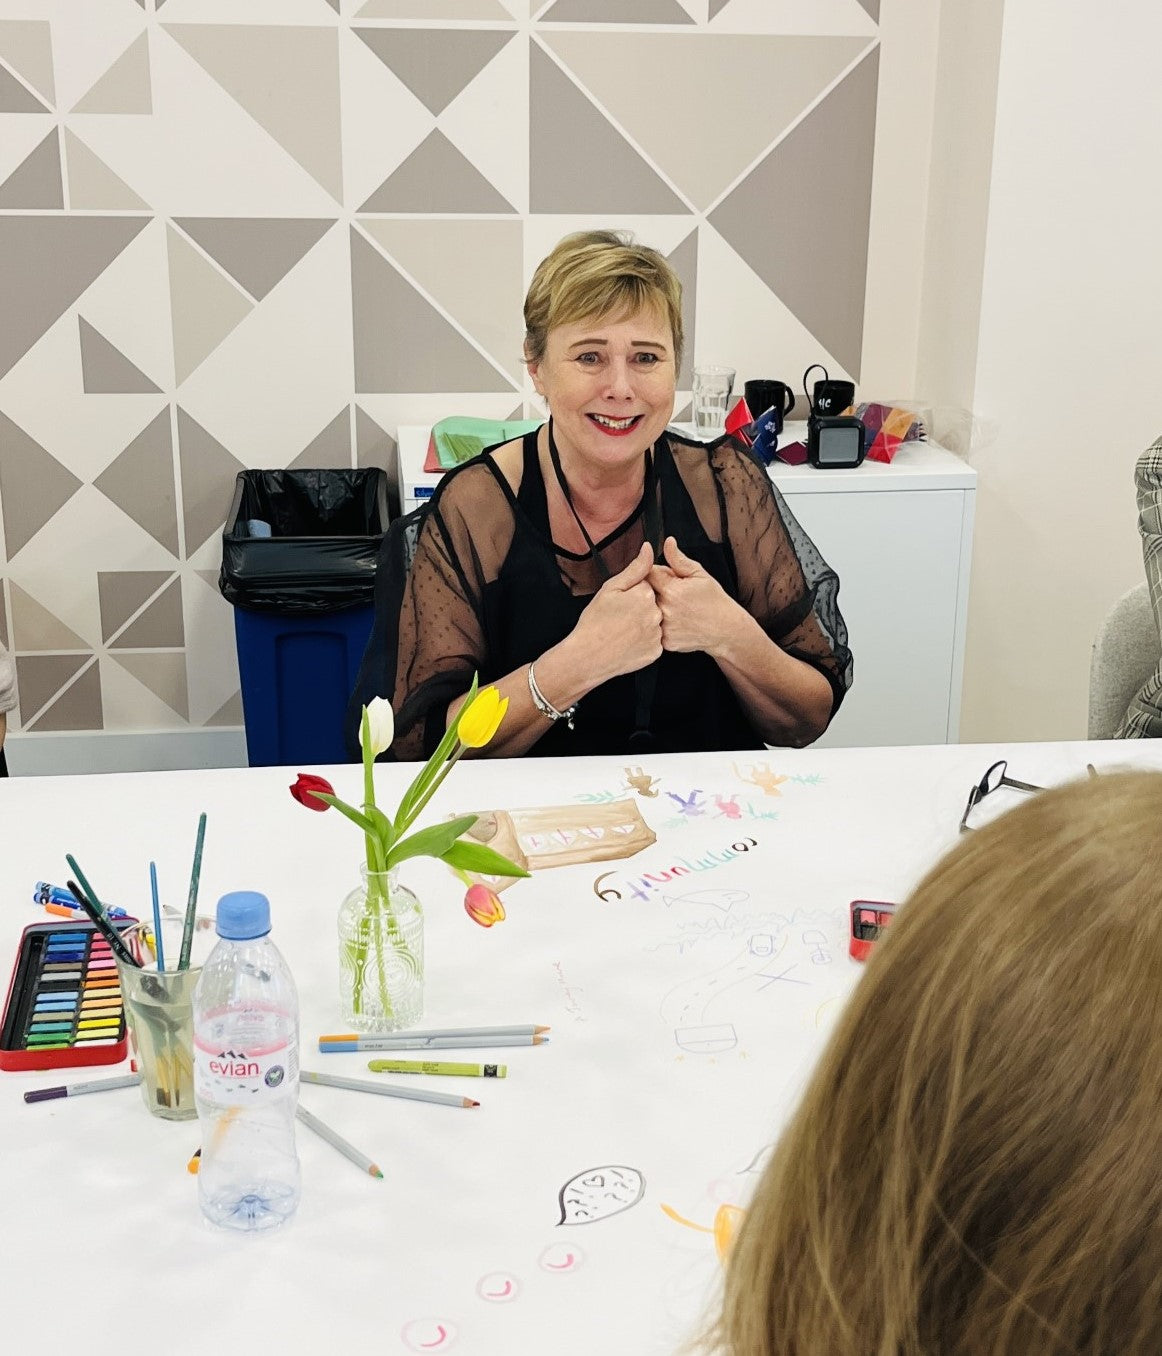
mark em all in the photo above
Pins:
pixel 645 680
pixel 651 515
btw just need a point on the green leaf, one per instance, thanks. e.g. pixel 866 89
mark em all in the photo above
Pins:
pixel 416 796
pixel 433 842
pixel 344 809
pixel 383 829
pixel 463 856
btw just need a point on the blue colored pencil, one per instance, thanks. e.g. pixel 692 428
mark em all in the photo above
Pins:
pixel 156 915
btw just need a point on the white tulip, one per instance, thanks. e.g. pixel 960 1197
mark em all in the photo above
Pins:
pixel 380 725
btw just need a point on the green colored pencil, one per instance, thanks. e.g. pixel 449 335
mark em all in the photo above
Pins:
pixel 84 884
pixel 192 901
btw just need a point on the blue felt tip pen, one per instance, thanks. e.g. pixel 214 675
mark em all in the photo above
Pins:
pixel 55 894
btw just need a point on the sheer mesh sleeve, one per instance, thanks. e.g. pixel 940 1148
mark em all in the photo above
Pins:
pixel 783 581
pixel 461 545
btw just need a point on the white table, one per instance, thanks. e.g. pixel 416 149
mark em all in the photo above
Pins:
pixel 684 1016
pixel 900 538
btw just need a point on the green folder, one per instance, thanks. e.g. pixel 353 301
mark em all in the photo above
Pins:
pixel 459 438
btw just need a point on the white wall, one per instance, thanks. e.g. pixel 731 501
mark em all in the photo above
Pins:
pixel 961 145
pixel 1069 354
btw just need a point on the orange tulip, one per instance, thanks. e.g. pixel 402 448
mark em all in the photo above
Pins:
pixel 483 906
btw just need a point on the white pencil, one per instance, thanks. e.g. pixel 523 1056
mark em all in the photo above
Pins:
pixel 385 1089
pixel 528 1030
pixel 336 1140
pixel 409 1040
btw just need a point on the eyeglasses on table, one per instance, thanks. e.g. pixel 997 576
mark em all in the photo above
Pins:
pixel 996 777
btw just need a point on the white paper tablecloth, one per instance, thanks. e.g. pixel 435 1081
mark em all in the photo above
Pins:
pixel 684 1017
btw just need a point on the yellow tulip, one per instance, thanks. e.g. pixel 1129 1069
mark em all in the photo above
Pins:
pixel 480 720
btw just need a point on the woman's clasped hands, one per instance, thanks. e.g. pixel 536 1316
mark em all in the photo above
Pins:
pixel 650 607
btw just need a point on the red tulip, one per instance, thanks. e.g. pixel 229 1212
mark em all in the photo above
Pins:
pixel 305 788
pixel 483 906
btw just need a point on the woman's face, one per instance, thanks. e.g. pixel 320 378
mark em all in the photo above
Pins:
pixel 609 385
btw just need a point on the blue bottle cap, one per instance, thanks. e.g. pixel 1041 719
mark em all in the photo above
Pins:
pixel 242 915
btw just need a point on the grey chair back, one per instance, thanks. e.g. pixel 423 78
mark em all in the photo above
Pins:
pixel 1125 655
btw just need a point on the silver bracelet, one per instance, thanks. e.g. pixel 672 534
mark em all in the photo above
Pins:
pixel 546 707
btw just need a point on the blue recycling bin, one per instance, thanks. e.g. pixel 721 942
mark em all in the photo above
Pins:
pixel 298 563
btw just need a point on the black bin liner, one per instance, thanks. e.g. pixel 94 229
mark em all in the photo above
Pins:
pixel 325 526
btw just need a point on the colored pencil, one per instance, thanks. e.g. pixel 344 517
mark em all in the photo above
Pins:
pixel 195 1160
pixel 192 899
pixel 405 1041
pixel 90 893
pixel 156 915
pixel 438 1066
pixel 385 1089
pixel 324 1131
pixel 528 1030
pixel 77 1089
pixel 104 927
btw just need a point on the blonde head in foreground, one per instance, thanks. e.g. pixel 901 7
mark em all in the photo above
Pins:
pixel 976 1166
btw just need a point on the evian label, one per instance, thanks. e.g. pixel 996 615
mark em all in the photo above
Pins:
pixel 240 1072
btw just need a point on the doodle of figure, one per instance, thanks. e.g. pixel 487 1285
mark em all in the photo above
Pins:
pixel 689 806
pixel 728 807
pixel 641 782
pixel 763 776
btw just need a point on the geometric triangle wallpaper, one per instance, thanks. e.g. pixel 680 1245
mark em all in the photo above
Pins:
pixel 230 244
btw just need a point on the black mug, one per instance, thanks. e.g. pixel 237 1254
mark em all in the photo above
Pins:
pixel 832 397
pixel 761 396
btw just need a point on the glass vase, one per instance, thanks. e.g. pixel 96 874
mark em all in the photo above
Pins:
pixel 381 954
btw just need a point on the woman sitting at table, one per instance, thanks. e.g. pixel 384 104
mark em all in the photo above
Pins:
pixel 975 1165
pixel 625 588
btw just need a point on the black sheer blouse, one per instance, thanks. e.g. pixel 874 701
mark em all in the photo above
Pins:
pixel 488 590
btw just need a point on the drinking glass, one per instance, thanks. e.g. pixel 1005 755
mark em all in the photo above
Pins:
pixel 712 388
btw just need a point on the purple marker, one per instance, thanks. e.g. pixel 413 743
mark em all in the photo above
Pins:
pixel 76 1089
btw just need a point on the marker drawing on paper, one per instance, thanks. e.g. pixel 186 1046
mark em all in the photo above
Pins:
pixel 639 887
pixel 727 1218
pixel 688 805
pixel 686 1006
pixel 641 782
pixel 498 1287
pixel 429 1334
pixel 562 835
pixel 598 1193
pixel 712 899
pixel 559 1258
pixel 763 776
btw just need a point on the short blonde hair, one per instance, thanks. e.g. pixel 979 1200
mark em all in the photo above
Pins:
pixel 598 274
pixel 975 1164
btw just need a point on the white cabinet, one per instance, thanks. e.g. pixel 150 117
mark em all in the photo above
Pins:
pixel 900 539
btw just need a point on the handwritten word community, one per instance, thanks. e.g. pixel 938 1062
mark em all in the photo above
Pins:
pixel 640 887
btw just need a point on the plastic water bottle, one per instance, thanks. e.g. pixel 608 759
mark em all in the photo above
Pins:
pixel 246 1072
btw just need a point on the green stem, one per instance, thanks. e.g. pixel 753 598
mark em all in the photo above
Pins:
pixel 420 792
pixel 417 809
pixel 376 893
